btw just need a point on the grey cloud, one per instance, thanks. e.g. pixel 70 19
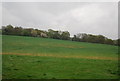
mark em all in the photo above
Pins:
pixel 94 18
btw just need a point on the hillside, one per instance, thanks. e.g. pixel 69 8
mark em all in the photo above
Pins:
pixel 32 57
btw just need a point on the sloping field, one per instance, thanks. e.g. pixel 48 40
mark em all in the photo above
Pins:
pixel 43 58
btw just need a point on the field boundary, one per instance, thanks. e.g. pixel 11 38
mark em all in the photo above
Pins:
pixel 61 56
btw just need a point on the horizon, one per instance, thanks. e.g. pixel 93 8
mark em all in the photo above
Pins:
pixel 81 17
pixel 61 30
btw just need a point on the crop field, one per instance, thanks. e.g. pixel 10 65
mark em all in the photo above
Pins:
pixel 44 58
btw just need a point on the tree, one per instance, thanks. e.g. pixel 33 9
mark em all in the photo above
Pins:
pixel 17 30
pixel 54 34
pixel 101 39
pixel 65 35
pixel 118 42
pixel 109 41
pixel 50 33
pixel 92 38
pixel 0 32
pixel 44 34
pixel 75 38
pixel 34 33
pixel 8 30
pixel 82 37
pixel 26 32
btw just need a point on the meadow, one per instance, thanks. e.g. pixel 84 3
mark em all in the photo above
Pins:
pixel 44 58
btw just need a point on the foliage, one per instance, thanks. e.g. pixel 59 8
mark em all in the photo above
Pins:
pixel 62 35
pixel 34 33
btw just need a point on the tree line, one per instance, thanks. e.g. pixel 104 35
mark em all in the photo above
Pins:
pixel 62 35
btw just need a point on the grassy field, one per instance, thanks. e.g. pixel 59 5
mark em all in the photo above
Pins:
pixel 43 58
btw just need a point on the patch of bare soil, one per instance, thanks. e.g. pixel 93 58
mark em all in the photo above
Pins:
pixel 60 56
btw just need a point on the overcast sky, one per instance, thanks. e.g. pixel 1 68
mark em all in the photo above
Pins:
pixel 75 17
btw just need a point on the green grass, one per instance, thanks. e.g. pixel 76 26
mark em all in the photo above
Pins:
pixel 57 66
